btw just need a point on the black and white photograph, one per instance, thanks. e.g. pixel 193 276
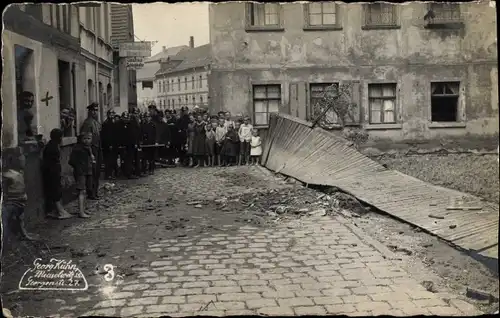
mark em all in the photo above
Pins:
pixel 239 158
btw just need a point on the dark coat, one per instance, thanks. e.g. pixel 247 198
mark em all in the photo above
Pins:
pixel 199 140
pixel 81 160
pixel 132 134
pixel 230 144
pixel 51 171
pixel 166 136
pixel 148 133
pixel 109 135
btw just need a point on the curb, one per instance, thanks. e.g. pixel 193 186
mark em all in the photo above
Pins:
pixel 382 249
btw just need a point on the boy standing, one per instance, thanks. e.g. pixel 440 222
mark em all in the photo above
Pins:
pixel 220 134
pixel 245 134
pixel 83 161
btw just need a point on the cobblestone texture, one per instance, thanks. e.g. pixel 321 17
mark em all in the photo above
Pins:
pixel 310 266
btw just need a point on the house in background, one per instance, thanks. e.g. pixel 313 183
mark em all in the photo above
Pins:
pixel 419 71
pixel 147 92
pixel 182 80
pixel 122 30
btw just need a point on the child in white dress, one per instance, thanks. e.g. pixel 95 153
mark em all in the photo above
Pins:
pixel 255 147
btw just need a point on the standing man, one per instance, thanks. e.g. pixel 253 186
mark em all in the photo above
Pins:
pixel 110 146
pixel 91 125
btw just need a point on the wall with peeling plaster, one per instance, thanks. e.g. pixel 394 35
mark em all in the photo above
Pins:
pixel 411 56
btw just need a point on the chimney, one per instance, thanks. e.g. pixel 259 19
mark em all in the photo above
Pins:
pixel 164 48
pixel 191 41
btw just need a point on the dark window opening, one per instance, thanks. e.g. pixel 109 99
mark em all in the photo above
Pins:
pixel 66 108
pixel 444 102
pixel 147 84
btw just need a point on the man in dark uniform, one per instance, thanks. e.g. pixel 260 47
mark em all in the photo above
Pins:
pixel 109 143
pixel 92 126
pixel 134 145
pixel 173 138
pixel 122 128
pixel 182 125
pixel 159 126
pixel 149 142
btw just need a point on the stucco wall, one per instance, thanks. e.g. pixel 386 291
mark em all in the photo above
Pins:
pixel 411 56
pixel 44 80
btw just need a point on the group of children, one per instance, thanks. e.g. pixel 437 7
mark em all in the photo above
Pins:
pixel 218 140
pixel 136 142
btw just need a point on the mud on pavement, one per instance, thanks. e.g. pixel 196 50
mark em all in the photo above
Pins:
pixel 133 223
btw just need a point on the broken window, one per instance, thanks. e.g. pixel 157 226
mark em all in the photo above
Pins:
pixel 445 12
pixel 317 93
pixel 382 103
pixel 444 101
pixel 264 14
pixel 322 13
pixel 266 100
pixel 380 14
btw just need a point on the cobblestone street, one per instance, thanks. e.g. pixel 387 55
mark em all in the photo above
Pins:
pixel 175 258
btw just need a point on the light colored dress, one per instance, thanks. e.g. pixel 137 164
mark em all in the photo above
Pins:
pixel 255 146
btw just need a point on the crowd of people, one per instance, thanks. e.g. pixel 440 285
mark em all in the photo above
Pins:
pixel 131 145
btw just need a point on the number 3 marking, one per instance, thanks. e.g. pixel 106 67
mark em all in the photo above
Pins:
pixel 111 273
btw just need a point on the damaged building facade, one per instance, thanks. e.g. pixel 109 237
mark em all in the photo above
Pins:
pixel 418 72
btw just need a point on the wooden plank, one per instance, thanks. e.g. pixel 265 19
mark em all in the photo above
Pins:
pixel 323 158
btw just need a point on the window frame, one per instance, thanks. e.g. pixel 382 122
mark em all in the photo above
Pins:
pixel 280 99
pixel 367 25
pixel 179 83
pixel 193 82
pixel 322 27
pixel 266 28
pixel 459 122
pixel 185 83
pixel 444 23
pixel 382 112
pixel 310 98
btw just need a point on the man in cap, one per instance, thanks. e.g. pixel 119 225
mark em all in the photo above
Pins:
pixel 132 146
pixel 92 126
pixel 110 145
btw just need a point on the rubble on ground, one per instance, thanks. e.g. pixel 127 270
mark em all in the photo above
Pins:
pixel 280 204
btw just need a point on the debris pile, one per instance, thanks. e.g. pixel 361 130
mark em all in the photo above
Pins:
pixel 281 204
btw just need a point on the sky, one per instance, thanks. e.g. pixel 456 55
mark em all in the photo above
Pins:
pixel 171 24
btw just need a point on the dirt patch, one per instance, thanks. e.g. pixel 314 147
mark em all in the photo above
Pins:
pixel 433 262
pixel 470 173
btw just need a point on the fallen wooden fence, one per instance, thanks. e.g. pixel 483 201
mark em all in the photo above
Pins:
pixel 315 156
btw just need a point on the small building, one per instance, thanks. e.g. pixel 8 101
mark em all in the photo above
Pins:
pixel 147 92
pixel 122 30
pixel 182 80
pixel 418 71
